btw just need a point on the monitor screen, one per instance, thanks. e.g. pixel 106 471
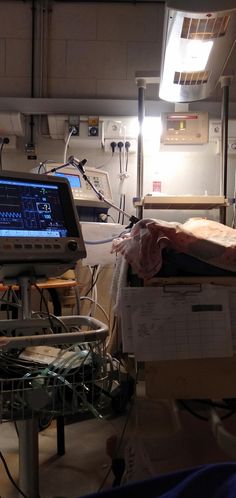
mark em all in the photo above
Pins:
pixel 29 209
pixel 74 180
pixel 40 234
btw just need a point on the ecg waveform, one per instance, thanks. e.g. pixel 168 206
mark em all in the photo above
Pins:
pixel 6 214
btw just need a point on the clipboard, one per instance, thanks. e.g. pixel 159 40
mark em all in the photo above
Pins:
pixel 177 322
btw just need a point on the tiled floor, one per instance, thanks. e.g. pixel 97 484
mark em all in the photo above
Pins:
pixel 167 445
pixel 80 471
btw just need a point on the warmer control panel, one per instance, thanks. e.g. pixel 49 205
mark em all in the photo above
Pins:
pixel 184 128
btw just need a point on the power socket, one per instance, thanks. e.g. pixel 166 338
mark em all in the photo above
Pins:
pixel 11 144
pixel 74 130
pixel 113 146
pixel 108 148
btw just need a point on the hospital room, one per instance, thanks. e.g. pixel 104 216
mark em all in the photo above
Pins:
pixel 117 248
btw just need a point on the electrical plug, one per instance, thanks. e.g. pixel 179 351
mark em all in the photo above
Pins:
pixel 103 217
pixel 4 140
pixel 127 146
pixel 113 146
pixel 120 145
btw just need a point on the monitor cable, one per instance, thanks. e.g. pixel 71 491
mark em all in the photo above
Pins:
pixel 80 166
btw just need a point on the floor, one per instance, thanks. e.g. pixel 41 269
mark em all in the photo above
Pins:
pixel 80 471
pixel 163 440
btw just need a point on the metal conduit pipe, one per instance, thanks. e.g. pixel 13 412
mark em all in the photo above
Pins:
pixel 31 122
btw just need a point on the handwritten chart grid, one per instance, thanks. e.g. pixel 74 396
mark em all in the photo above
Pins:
pixel 179 323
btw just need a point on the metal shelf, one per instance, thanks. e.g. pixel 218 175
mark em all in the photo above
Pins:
pixel 182 202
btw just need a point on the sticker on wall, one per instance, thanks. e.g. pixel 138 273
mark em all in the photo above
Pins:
pixel 156 186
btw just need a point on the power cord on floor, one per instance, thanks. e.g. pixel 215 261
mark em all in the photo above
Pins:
pixel 10 476
pixel 119 469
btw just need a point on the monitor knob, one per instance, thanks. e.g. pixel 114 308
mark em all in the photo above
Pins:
pixel 72 245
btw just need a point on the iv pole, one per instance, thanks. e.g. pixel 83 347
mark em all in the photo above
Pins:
pixel 142 79
pixel 141 83
pixel 225 82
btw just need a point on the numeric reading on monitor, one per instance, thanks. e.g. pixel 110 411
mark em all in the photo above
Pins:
pixel 28 210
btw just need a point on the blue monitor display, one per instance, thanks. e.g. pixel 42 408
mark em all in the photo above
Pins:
pixel 74 180
pixel 29 209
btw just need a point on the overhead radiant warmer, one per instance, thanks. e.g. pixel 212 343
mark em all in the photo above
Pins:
pixel 198 39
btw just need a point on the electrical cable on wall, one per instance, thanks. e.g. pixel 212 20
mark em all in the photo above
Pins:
pixel 120 145
pixel 71 132
pixel 127 147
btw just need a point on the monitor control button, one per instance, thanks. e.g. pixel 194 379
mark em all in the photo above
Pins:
pixel 72 245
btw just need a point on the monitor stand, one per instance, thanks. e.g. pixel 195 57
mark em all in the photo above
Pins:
pixel 28 428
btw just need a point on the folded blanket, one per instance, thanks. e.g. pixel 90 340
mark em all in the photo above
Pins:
pixel 206 240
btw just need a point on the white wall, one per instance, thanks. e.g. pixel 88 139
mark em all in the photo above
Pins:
pixel 82 50
pixel 185 170
pixel 92 51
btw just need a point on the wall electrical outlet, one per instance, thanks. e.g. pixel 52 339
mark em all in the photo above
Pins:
pixel 93 126
pixel 12 142
pixel 214 130
pixel 232 146
pixel 74 128
pixel 132 149
pixel 74 125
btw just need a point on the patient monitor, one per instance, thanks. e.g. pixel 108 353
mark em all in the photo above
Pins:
pixel 40 233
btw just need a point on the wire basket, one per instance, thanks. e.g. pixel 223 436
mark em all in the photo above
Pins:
pixel 73 381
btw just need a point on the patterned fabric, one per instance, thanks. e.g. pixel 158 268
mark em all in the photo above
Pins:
pixel 206 240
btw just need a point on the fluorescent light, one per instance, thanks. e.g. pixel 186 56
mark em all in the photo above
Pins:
pixel 196 45
pixel 187 55
pixel 193 56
